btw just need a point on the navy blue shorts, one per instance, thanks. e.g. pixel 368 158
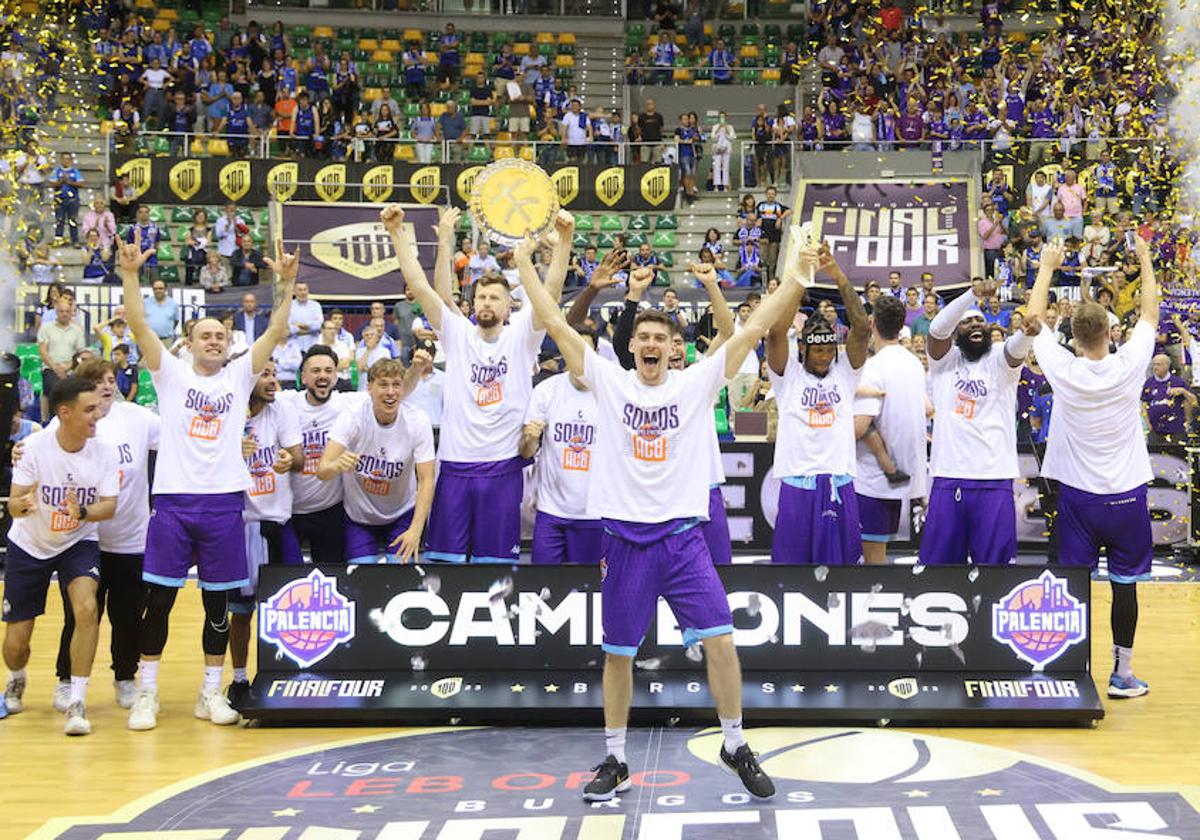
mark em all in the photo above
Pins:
pixel 27 579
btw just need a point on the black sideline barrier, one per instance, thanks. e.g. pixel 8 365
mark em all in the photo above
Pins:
pixel 521 644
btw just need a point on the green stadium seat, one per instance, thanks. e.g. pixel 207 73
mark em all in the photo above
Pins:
pixel 727 32
pixel 749 30
pixel 347 32
pixel 258 237
pixel 168 273
pixel 797 32
pixel 667 259
pixel 123 230
pixel 412 110
pixel 166 252
pixel 664 239
pixel 464 223
pixel 661 279
pixel 689 352
pixel 500 38
pixel 585 222
pixel 566 49
pixel 181 215
pixel 605 241
pixel 667 221
pixel 27 351
pixel 479 154
pixel 161 146
pixel 144 378
pixel 772 33
pixel 635 239
pixel 29 365
pixel 181 233
pixel 611 223
pixel 264 218
pixel 580 240
pixel 300 31
pixel 748 76
pixel 640 221
pixel 722 421
pixel 636 29
pixel 156 214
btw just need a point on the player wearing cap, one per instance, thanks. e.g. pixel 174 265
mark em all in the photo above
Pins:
pixel 200 480
pixel 63 485
pixel 488 385
pixel 814 450
pixel 974 383
pixel 651 489
pixel 1097 449
pixel 270 447
pixel 381 450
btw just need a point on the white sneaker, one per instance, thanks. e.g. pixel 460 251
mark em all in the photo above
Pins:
pixel 212 705
pixel 14 694
pixel 77 722
pixel 62 696
pixel 144 714
pixel 126 693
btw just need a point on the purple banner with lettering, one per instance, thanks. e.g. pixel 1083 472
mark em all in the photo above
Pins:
pixel 876 227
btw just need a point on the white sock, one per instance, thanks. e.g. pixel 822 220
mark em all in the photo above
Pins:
pixel 1123 661
pixel 614 742
pixel 78 689
pixel 18 674
pixel 239 675
pixel 148 671
pixel 731 728
pixel 212 677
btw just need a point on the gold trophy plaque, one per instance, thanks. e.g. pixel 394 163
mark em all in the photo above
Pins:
pixel 512 198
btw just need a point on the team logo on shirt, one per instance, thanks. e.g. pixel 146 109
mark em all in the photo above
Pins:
pixel 378 472
pixel 307 619
pixel 1039 619
pixel 262 473
pixel 55 500
pixel 206 423
pixel 820 401
pixel 576 439
pixel 312 444
pixel 650 427
pixel 969 392
pixel 488 382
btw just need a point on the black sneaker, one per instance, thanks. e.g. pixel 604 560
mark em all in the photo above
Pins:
pixel 745 764
pixel 237 694
pixel 612 777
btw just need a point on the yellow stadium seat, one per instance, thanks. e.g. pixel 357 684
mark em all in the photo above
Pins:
pixel 368 44
pixel 708 30
pixel 474 58
pixel 504 137
pixel 160 24
pixel 436 109
pixel 566 37
pixel 144 4
pixel 387 57
pixel 527 153
pixel 502 152
pixel 404 151
pixel 682 74
pixel 521 49
pixel 322 32
pixel 703 83
pixel 771 74
pixel 564 61
pixel 218 148
pixel 411 35
pixel 391 44
pixel 431 57
pixel 748 51
pixel 545 38
pixel 106 127
pixel 168 14
pixel 680 40
pixel 371 94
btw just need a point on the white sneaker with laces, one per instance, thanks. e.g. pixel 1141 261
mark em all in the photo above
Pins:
pixel 144 714
pixel 14 695
pixel 212 705
pixel 126 693
pixel 77 722
pixel 62 696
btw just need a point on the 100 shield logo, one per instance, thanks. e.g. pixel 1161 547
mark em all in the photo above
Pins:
pixel 1039 619
pixel 307 619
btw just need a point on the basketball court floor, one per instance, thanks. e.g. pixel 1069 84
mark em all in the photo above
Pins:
pixel 1137 774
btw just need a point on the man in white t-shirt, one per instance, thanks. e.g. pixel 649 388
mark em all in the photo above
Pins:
pixel 381 451
pixel 972 512
pixel 305 320
pixel 650 487
pixel 1097 449
pixel 489 381
pixel 200 479
pixel 894 408
pixel 560 430
pixel 63 485
pixel 270 446
pixel 817 522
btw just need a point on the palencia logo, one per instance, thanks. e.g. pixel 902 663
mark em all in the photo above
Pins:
pixel 419 618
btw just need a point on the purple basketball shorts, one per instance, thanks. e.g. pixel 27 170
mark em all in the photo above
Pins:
pixel 476 513
pixel 818 524
pixel 1120 522
pixel 557 540
pixel 193 528
pixel 970 517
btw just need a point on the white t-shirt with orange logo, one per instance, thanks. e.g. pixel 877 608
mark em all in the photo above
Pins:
pixel 384 484
pixel 652 461
pixel 269 498
pixel 487 387
pixel 203 418
pixel 816 419
pixel 564 463
pixel 309 493
pixel 974 421
pixel 91 473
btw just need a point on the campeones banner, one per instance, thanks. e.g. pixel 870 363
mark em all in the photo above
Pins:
pixel 163 180
pixel 876 227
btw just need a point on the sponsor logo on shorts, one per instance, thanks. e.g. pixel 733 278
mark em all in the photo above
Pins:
pixel 1039 619
pixel 307 619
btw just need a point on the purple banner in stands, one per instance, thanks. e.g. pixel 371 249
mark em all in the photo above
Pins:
pixel 345 251
pixel 876 227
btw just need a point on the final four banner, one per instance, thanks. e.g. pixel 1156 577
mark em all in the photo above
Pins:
pixel 876 227
pixel 164 180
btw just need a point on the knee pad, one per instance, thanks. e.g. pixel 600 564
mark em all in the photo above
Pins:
pixel 216 622
pixel 156 607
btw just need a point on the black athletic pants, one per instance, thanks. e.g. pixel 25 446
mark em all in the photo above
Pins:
pixel 121 589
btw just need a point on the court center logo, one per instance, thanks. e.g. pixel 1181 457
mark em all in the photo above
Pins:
pixel 307 619
pixel 1039 619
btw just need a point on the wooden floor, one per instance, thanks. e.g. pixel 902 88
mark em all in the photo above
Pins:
pixel 1148 742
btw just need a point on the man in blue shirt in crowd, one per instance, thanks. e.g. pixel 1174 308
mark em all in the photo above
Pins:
pixel 149 233
pixel 237 126
pixel 66 180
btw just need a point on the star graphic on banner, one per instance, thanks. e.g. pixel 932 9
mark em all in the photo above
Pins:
pixel 917 794
pixel 797 688
pixel 366 809
pixel 516 688
pixel 286 812
pixel 989 792
pixel 831 689
pixel 551 689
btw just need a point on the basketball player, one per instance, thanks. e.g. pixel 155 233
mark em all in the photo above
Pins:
pixel 651 489
pixel 488 384
pixel 65 483
pixel 1097 449
pixel 818 514
pixel 132 431
pixel 899 418
pixel 560 430
pixel 974 383
pixel 382 452
pixel 270 447
pixel 200 480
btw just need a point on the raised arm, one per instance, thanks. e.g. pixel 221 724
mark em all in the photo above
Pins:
pixel 556 274
pixel 392 217
pixel 860 325
pixel 422 363
pixel 1149 310
pixel 130 258
pixel 283 271
pixel 602 278
pixel 443 269
pixel 1039 295
pixel 778 308
pixel 547 312
pixel 944 324
pixel 639 280
pixel 722 314
pixel 792 288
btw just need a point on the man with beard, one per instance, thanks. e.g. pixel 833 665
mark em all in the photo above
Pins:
pixel 489 381
pixel 974 383
pixel 270 447
pixel 382 453
pixel 818 519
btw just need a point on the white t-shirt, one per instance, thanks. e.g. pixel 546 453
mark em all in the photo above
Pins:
pixel 91 473
pixel 269 498
pixel 564 464
pixel 487 387
pixel 384 484
pixel 156 79
pixel 900 418
pixel 309 493
pixel 816 419
pixel 651 441
pixel 1037 195
pixel 427 396
pixel 1096 441
pixel 974 425
pixel 203 418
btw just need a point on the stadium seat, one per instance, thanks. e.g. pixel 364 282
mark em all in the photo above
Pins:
pixel 605 241
pixel 635 239
pixel 182 214
pixel 667 259
pixel 168 273
pixel 566 38
pixel 664 239
pixel 639 221
pixel 585 222
pixel 667 221
pixel 580 240
pixel 181 233
pixel 681 75
pixel 545 38
pixel 661 278
pixel 479 154
pixel 771 76
pixel 322 32
pixel 527 153
pixel 156 214
pixel 166 252
pixel 611 223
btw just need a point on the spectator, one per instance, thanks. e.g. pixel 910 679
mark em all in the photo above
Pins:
pixel 996 314
pixel 154 99
pixel 1039 196
pixel 520 105
pixel 1167 403
pixel 99 219
pixel 66 179
pixel 721 137
pixel 650 128
pixel 1074 200
pixel 228 231
pixel 448 56
pixel 369 352
pixel 482 99
pixel 662 57
pixel 1108 200
pixel 197 243
pixel 249 320
pixel 687 138
pixel 920 324
pixel 146 233
pixel 576 132
pixel 126 372
pixel 97 259
pixel 403 317
pixel 246 264
pixel 773 216
pixel 345 353
pixel 414 72
pixel 913 308
pixel 1058 226
pixel 722 61
pixel 125 203
pixel 305 127
pixel 305 319
pixel 482 262
pixel 213 276
pixel 749 267
pixel 895 287
pixel 991 237
pixel 237 125
pixel 386 133
pixel 179 118
pixel 670 307
pixel 285 117
pixel 452 127
pixel 162 312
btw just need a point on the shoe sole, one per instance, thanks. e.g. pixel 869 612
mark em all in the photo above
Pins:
pixel 1127 693
pixel 604 797
pixel 15 710
pixel 141 727
pixel 74 731
pixel 733 772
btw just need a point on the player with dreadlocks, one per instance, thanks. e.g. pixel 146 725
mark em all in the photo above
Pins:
pixel 815 448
